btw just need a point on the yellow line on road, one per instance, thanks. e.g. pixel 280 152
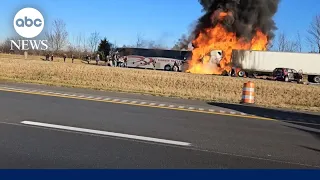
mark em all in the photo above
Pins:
pixel 135 104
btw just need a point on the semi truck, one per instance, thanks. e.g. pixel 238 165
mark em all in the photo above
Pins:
pixel 265 62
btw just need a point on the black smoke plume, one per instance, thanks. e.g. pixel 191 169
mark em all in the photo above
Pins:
pixel 244 16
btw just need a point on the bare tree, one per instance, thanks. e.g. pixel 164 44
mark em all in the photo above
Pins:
pixel 93 41
pixel 2 46
pixel 270 45
pixel 78 41
pixel 78 45
pixel 72 50
pixel 140 43
pixel 114 47
pixel 314 33
pixel 299 44
pixel 286 45
pixel 313 49
pixel 57 36
pixel 84 44
pixel 282 42
pixel 7 47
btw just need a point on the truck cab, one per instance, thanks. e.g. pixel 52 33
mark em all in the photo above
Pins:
pixel 215 57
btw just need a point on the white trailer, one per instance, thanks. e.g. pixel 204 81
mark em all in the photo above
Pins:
pixel 267 61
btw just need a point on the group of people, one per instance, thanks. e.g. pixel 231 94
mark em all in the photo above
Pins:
pixel 97 58
pixel 50 58
pixel 114 60
pixel 65 57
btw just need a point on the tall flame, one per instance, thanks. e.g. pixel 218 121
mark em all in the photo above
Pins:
pixel 218 38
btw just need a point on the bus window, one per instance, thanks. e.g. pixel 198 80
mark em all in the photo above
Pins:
pixel 172 54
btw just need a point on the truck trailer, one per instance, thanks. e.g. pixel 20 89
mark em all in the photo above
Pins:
pixel 264 62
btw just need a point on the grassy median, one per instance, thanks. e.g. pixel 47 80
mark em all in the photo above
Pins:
pixel 182 85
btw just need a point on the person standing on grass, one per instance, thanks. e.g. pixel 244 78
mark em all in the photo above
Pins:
pixel 107 60
pixel 97 59
pixel 115 60
pixel 87 58
pixel 118 60
pixel 112 60
pixel 125 59
pixel 52 57
pixel 47 57
pixel 64 57
pixel 72 57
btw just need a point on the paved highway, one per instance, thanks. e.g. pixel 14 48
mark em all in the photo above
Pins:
pixel 40 131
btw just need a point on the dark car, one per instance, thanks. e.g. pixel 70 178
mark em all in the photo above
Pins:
pixel 287 75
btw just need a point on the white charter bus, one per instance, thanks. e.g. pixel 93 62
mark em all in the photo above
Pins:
pixel 168 60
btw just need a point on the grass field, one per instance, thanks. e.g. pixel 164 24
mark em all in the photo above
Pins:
pixel 182 85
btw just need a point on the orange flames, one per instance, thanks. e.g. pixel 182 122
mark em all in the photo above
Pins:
pixel 218 38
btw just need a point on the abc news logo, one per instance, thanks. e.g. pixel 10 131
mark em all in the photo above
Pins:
pixel 29 23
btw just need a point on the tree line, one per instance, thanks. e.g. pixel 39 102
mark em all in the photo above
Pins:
pixel 59 42
pixel 60 45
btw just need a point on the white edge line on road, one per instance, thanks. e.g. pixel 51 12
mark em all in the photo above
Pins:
pixel 106 133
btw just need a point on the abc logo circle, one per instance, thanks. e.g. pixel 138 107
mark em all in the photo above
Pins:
pixel 28 22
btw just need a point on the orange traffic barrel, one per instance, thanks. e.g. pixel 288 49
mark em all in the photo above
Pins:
pixel 248 93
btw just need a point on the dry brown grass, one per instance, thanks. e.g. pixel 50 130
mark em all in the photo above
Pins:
pixel 34 58
pixel 204 87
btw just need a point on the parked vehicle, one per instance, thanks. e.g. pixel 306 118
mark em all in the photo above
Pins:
pixel 287 75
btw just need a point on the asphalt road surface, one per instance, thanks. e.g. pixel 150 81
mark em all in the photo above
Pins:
pixel 54 132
